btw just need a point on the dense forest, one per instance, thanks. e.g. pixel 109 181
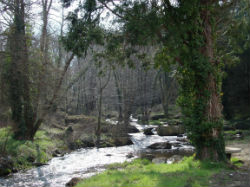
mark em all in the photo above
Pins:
pixel 107 75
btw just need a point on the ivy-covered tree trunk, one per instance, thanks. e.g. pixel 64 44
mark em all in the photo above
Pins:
pixel 20 99
pixel 211 145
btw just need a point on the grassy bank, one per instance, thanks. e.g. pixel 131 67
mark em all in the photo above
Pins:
pixel 145 173
pixel 24 154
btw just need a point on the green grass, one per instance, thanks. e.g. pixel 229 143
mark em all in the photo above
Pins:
pixel 155 122
pixel 145 173
pixel 237 162
pixel 24 153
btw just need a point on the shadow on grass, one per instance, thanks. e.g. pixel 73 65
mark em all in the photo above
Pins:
pixel 139 173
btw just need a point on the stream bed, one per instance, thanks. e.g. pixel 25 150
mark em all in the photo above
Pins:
pixel 82 163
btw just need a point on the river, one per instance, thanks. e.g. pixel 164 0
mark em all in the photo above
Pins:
pixel 82 163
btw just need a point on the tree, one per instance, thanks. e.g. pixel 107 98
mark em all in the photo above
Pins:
pixel 24 87
pixel 20 99
pixel 236 84
pixel 101 86
pixel 168 87
pixel 189 32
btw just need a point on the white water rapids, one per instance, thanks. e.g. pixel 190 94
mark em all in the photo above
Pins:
pixel 81 163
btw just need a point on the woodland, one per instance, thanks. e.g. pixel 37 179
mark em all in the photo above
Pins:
pixel 163 84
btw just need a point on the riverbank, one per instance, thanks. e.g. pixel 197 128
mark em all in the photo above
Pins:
pixel 86 162
pixel 188 172
pixel 60 134
pixel 18 155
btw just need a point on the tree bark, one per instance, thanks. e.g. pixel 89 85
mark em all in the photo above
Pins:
pixel 119 96
pixel 214 148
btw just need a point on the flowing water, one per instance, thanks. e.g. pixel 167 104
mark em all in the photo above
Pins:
pixel 81 163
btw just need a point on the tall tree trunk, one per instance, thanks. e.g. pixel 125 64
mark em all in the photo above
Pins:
pixel 21 104
pixel 98 130
pixel 214 147
pixel 119 96
pixel 101 88
pixel 44 46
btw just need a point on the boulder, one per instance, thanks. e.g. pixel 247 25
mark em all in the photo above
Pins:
pixel 132 129
pixel 176 144
pixel 174 159
pixel 170 130
pixel 160 145
pixel 123 140
pixel 231 150
pixel 81 143
pixel 159 160
pixel 57 153
pixel 148 131
pixel 130 155
pixel 74 181
pixel 167 153
pixel 147 156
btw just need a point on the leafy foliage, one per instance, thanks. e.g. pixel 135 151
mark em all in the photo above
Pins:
pixel 81 35
pixel 193 35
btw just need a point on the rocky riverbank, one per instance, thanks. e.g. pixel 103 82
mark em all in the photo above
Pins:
pixel 59 134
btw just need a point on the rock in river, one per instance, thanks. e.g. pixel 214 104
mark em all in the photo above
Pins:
pixel 170 130
pixel 73 182
pixel 132 129
pixel 160 145
pixel 148 131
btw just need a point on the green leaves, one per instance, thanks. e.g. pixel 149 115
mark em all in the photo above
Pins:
pixel 81 35
pixel 163 59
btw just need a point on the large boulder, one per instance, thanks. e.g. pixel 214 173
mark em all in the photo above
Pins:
pixel 160 145
pixel 83 142
pixel 121 141
pixel 73 182
pixel 132 129
pixel 167 153
pixel 174 159
pixel 159 160
pixel 170 130
pixel 148 131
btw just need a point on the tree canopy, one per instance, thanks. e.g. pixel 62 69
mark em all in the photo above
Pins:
pixel 199 37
